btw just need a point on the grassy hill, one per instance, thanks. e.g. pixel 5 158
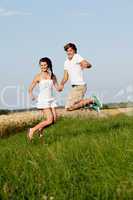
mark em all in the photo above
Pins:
pixel 77 159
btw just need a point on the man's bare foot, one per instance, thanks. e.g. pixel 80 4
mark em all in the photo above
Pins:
pixel 70 109
pixel 66 109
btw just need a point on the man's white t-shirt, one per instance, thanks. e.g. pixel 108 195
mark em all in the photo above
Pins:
pixel 74 70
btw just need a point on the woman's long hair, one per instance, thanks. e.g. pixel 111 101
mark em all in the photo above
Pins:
pixel 49 63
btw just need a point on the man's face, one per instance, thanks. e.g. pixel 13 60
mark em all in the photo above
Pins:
pixel 70 53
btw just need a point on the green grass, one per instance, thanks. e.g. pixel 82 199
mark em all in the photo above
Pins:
pixel 81 159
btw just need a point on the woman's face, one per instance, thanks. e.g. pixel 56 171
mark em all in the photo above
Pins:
pixel 44 66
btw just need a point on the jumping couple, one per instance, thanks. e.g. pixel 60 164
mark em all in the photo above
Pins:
pixel 47 81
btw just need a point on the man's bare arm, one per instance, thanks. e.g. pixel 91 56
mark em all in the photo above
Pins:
pixel 64 80
pixel 85 64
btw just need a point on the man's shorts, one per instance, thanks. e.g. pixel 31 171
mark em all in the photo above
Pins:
pixel 76 94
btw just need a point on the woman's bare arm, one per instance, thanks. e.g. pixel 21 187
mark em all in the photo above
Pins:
pixel 55 82
pixel 34 82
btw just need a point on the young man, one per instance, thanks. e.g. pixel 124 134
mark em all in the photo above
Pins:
pixel 73 70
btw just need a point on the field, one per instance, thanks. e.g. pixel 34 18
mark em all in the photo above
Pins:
pixel 79 158
pixel 17 121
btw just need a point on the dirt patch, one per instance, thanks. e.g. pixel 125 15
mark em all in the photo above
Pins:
pixel 103 113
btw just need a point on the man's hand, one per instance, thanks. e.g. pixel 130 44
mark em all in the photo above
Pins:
pixel 64 80
pixel 60 88
pixel 85 64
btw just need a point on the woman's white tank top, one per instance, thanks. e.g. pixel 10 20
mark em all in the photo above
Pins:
pixel 46 89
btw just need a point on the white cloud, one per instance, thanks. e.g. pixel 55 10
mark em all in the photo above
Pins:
pixel 80 13
pixel 83 13
pixel 8 13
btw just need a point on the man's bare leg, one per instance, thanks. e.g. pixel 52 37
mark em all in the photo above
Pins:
pixel 80 104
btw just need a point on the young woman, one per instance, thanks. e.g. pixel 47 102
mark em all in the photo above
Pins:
pixel 46 101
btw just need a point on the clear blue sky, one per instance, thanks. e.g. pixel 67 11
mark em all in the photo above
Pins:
pixel 102 30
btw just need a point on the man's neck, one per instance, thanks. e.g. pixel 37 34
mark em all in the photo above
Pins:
pixel 71 58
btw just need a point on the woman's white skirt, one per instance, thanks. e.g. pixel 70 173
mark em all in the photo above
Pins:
pixel 46 103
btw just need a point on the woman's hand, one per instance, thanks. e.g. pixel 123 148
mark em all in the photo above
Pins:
pixel 60 88
pixel 34 98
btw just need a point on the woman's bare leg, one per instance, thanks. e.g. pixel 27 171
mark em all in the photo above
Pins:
pixel 49 120
pixel 41 111
pixel 54 114
pixel 55 118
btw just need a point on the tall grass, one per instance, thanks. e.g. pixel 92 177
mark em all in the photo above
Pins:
pixel 15 122
pixel 77 159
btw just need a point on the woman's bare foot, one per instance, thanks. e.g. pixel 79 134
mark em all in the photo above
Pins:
pixel 40 133
pixel 30 134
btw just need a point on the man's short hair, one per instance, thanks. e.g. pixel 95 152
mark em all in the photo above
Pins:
pixel 70 45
